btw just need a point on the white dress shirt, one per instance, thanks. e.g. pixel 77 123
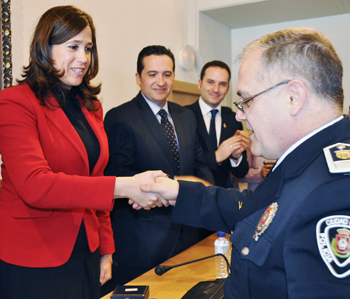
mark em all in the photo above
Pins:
pixel 206 113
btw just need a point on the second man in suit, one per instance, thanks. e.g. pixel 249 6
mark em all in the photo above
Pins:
pixel 221 137
pixel 147 133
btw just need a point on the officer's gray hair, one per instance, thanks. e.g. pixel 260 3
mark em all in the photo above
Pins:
pixel 302 53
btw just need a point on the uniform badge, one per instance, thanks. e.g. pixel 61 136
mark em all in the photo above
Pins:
pixel 338 157
pixel 333 240
pixel 265 220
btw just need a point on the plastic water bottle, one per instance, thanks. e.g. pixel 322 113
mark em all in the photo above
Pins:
pixel 222 245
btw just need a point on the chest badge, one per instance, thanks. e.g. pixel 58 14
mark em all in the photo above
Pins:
pixel 265 220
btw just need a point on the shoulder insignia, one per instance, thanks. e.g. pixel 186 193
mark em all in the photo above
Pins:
pixel 338 157
pixel 333 240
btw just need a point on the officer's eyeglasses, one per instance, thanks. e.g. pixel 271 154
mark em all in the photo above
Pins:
pixel 243 104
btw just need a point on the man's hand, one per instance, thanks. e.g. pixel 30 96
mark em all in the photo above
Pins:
pixel 167 188
pixel 265 169
pixel 232 146
pixel 243 145
pixel 226 148
pixel 129 187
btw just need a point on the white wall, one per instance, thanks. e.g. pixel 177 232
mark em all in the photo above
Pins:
pixel 214 43
pixel 123 27
pixel 336 28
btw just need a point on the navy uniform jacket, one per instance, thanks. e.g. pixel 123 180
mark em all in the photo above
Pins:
pixel 296 256
pixel 137 143
pixel 229 126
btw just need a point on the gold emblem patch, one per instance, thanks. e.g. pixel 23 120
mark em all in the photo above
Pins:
pixel 265 220
pixel 338 157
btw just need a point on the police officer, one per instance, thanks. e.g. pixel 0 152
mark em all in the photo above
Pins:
pixel 291 238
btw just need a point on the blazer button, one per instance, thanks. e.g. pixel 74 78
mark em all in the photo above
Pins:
pixel 245 251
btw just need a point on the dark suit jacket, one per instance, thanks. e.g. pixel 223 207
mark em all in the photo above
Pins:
pixel 137 143
pixel 291 252
pixel 230 125
pixel 46 189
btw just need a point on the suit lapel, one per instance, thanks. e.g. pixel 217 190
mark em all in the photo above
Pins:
pixel 151 123
pixel 265 193
pixel 59 119
pixel 224 126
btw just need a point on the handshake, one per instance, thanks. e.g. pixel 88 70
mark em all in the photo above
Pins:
pixel 150 189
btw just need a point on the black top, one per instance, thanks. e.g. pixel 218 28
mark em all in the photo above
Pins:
pixel 73 111
pixel 72 108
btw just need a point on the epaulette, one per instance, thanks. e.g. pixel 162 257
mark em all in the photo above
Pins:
pixel 338 158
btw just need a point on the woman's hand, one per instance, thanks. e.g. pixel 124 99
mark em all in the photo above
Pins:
pixel 129 187
pixel 106 262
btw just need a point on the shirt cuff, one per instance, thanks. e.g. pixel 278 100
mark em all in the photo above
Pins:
pixel 234 162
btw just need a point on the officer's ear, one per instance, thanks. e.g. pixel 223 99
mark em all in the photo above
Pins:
pixel 297 96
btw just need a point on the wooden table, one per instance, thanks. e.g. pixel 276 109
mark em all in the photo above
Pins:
pixel 176 282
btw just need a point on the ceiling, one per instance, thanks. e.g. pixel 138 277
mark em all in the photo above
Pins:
pixel 276 11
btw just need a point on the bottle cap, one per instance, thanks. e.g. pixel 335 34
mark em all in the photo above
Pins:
pixel 221 235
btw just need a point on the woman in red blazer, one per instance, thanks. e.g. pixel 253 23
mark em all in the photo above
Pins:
pixel 55 234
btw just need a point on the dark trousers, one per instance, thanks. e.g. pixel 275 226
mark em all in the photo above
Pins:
pixel 79 278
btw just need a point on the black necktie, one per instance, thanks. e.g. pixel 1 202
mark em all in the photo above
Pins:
pixel 212 130
pixel 170 134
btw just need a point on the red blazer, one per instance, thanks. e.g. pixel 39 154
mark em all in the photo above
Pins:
pixel 47 189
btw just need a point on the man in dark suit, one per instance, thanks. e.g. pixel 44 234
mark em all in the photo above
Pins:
pixel 221 137
pixel 149 133
pixel 295 227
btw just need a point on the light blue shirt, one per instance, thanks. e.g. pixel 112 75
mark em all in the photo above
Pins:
pixel 155 109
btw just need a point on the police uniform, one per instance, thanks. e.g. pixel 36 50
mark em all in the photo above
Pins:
pixel 291 238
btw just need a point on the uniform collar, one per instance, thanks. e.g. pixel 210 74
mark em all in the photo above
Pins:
pixel 295 145
pixel 294 164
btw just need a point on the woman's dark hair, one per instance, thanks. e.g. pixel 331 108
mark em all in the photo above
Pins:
pixel 56 26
